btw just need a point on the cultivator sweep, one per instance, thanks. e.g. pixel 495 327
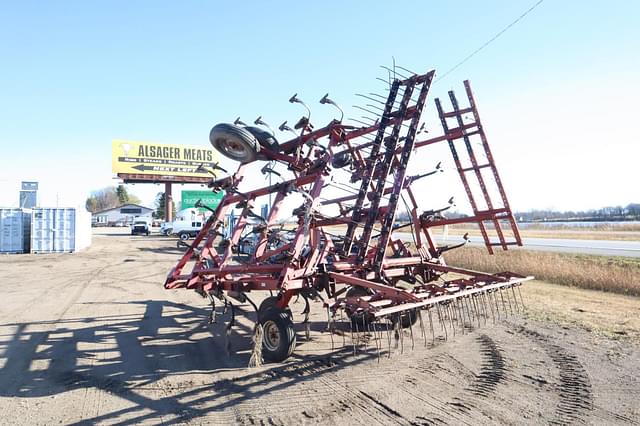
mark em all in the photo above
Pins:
pixel 350 250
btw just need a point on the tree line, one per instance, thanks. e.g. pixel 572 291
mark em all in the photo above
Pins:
pixel 613 213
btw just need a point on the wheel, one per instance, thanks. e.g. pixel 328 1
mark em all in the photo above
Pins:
pixel 341 159
pixel 234 142
pixel 279 338
pixel 265 139
pixel 360 319
pixel 268 303
pixel 407 319
pixel 148 233
pixel 184 236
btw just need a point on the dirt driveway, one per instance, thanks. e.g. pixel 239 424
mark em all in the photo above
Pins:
pixel 92 337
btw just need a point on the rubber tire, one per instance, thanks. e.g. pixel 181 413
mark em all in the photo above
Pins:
pixel 247 146
pixel 264 138
pixel 408 320
pixel 341 159
pixel 277 321
pixel 270 303
pixel 184 236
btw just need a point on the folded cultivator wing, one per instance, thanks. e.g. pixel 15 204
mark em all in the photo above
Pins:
pixel 356 260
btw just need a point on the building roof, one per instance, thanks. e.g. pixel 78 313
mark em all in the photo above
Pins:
pixel 123 205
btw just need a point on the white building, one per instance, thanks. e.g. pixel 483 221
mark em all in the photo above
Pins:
pixel 120 216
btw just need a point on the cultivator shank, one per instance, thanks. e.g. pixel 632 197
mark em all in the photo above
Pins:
pixel 348 248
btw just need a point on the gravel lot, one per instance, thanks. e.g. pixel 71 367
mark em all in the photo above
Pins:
pixel 92 337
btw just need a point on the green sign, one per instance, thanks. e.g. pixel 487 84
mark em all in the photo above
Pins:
pixel 209 199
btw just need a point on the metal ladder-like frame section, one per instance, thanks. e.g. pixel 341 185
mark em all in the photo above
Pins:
pixel 464 132
pixel 382 169
pixel 371 162
pixel 400 165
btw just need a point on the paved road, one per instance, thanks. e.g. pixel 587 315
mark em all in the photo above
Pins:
pixel 597 247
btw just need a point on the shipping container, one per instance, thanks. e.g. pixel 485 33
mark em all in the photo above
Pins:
pixel 14 230
pixel 56 230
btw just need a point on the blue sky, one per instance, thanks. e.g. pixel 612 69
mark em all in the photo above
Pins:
pixel 557 92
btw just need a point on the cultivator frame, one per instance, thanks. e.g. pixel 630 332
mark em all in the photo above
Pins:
pixel 366 272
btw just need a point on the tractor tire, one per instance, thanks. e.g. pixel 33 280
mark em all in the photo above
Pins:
pixel 270 303
pixel 279 338
pixel 234 142
pixel 184 236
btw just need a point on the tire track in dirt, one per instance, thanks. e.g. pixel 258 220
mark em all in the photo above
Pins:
pixel 334 398
pixel 493 368
pixel 574 390
pixel 482 384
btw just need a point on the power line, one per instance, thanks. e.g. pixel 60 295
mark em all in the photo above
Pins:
pixel 489 41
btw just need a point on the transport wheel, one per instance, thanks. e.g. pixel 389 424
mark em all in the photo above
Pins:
pixel 234 142
pixel 361 319
pixel 279 338
pixel 184 236
pixel 265 139
pixel 269 303
pixel 407 319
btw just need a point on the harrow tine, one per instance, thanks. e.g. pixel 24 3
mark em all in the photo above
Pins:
pixel 504 305
pixel 388 339
pixel 485 307
pixel 344 343
pixel 401 334
pixel 377 341
pixel 486 303
pixel 433 334
pixel 521 299
pixel 422 331
pixel 459 314
pixel 365 338
pixel 330 328
pixel 446 337
pixel 495 299
pixel 508 301
pixel 477 309
pixel 353 338
pixel 450 314
pixel 465 304
pixel 515 299
pixel 411 329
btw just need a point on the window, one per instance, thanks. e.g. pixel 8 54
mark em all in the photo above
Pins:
pixel 131 210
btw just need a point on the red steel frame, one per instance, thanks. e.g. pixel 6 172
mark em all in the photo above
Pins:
pixel 314 260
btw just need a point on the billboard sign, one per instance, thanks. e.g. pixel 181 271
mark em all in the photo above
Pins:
pixel 209 198
pixel 149 158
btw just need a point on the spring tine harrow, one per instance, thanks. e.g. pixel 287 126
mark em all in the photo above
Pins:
pixel 378 272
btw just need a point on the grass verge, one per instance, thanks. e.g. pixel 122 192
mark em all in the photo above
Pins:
pixel 617 274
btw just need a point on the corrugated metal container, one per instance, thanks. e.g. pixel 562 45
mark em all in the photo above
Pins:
pixel 56 230
pixel 14 230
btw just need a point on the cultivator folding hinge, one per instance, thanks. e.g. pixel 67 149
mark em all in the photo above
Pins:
pixel 351 246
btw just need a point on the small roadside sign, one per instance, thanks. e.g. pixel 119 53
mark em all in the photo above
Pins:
pixel 209 198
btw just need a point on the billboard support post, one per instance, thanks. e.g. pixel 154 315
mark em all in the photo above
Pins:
pixel 168 202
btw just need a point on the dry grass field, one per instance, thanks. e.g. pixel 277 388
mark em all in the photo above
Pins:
pixel 616 274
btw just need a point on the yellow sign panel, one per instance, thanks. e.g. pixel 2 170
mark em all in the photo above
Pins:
pixel 150 158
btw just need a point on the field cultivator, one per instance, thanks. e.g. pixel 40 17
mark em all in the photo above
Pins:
pixel 349 249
